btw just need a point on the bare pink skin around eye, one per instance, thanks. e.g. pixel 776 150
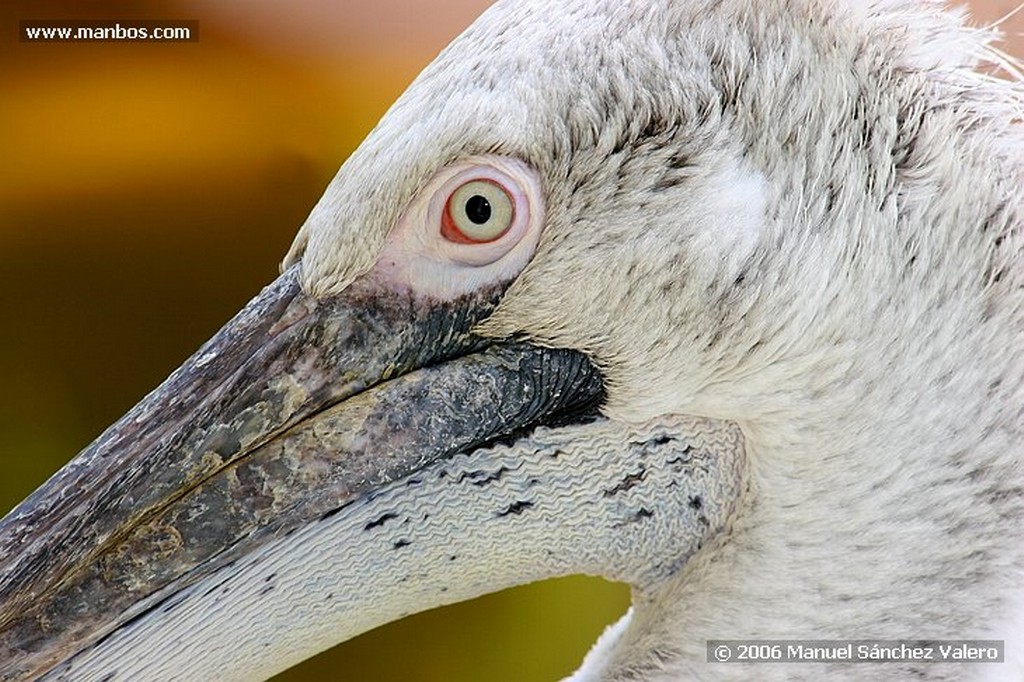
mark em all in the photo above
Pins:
pixel 418 256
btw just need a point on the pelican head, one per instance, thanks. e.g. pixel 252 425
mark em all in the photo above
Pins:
pixel 717 298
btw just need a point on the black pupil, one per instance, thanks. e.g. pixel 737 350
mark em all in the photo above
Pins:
pixel 478 209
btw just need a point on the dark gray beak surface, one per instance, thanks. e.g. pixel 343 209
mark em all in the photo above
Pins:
pixel 295 409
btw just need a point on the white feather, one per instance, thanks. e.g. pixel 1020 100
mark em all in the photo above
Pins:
pixel 802 216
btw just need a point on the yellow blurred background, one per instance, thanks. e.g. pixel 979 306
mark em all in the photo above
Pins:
pixel 147 191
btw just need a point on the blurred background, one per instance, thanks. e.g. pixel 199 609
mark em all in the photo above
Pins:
pixel 147 191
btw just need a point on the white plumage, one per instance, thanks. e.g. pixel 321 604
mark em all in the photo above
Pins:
pixel 800 217
pixel 804 217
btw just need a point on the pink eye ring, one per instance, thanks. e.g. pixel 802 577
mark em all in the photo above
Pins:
pixel 479 211
pixel 473 223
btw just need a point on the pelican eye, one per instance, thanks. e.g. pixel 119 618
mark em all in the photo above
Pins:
pixel 477 212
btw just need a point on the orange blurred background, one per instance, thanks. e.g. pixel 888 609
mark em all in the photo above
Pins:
pixel 147 191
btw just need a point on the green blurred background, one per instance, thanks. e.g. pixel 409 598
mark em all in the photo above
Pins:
pixel 147 191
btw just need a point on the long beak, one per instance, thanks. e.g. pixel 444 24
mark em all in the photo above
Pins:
pixel 295 409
